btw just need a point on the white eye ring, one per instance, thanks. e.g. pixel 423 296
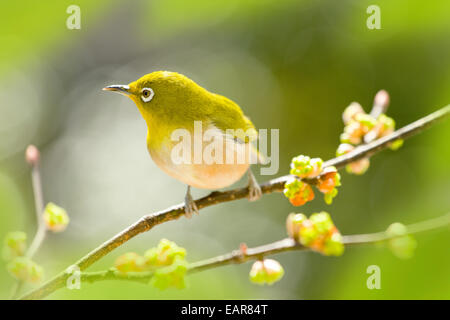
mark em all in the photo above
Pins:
pixel 147 94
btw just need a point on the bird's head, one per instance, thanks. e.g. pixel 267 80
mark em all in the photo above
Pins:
pixel 161 94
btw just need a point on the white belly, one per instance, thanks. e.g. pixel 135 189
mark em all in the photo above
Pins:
pixel 226 168
pixel 204 176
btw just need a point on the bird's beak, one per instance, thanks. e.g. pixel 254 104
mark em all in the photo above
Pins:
pixel 122 89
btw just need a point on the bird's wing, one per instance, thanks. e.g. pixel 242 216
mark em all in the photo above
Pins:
pixel 228 115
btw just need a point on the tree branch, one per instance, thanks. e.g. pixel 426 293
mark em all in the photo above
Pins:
pixel 238 257
pixel 276 185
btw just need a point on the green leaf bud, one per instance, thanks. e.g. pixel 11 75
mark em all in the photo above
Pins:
pixel 130 262
pixel 322 222
pixel 55 218
pixel 397 144
pixel 334 245
pixel 170 276
pixel 402 245
pixel 15 245
pixel 24 269
pixel 328 197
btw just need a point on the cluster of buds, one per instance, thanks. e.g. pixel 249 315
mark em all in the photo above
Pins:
pixel 267 271
pixel 19 266
pixel 303 167
pixel 361 127
pixel 298 192
pixel 55 218
pixel 328 182
pixel 357 124
pixel 167 261
pixel 25 269
pixel 164 254
pixel 172 276
pixel 130 262
pixel 401 244
pixel 318 233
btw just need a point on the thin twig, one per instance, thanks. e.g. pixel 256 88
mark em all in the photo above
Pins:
pixel 32 156
pixel 39 205
pixel 288 244
pixel 276 185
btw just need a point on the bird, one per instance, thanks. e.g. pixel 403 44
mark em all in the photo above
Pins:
pixel 172 103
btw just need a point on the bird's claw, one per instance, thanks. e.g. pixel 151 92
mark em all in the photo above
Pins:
pixel 189 205
pixel 254 190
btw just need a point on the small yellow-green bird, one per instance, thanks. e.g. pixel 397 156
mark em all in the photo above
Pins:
pixel 168 102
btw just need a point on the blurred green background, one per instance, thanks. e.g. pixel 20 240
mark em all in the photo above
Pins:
pixel 292 65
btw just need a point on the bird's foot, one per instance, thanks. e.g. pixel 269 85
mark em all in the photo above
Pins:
pixel 189 204
pixel 254 190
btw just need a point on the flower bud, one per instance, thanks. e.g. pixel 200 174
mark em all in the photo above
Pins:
pixel 32 155
pixel 293 224
pixel 329 179
pixel 351 111
pixel 305 194
pixel 320 234
pixel 300 166
pixel 322 222
pixel 333 245
pixel 382 99
pixel 308 233
pixel 15 245
pixel 358 167
pixel 344 138
pixel 24 269
pixel 353 133
pixel 291 187
pixel 329 196
pixel 164 254
pixel 266 271
pixel 130 262
pixel 316 164
pixel 387 125
pixel 305 167
pixel 55 218
pixel 343 149
pixel 396 229
pixel 327 183
pixel 402 245
pixel 170 276
pixel 397 144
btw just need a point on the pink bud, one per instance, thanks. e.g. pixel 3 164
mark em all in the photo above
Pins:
pixel 382 99
pixel 32 155
pixel 243 247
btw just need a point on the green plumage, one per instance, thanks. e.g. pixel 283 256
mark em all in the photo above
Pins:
pixel 179 101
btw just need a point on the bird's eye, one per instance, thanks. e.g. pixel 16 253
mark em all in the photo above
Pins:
pixel 147 94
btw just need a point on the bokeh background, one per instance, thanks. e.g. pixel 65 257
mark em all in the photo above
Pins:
pixel 291 65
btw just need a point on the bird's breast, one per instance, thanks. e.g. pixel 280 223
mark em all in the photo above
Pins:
pixel 211 162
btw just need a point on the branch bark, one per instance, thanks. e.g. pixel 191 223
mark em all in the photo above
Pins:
pixel 276 185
